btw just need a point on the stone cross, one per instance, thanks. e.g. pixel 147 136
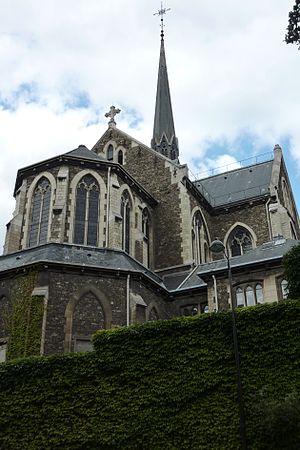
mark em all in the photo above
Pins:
pixel 111 114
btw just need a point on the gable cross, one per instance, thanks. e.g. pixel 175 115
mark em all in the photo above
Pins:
pixel 111 114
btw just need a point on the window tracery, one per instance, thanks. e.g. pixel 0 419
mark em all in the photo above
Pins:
pixel 239 241
pixel 40 213
pixel 87 211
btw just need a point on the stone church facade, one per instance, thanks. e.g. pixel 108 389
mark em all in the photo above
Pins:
pixel 120 234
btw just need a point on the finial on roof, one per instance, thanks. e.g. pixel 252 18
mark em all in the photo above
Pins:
pixel 161 12
pixel 111 114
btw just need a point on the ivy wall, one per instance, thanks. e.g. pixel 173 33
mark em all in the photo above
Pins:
pixel 162 385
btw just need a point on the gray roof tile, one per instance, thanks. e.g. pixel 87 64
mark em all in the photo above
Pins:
pixel 237 185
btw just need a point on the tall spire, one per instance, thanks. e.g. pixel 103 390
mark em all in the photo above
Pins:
pixel 164 140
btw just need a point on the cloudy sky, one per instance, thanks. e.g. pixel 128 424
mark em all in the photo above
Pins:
pixel 234 82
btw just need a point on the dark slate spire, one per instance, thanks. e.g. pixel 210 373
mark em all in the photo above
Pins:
pixel 164 140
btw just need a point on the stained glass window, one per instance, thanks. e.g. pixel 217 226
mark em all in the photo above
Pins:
pixel 87 211
pixel 40 213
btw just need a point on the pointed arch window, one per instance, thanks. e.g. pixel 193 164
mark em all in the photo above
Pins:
pixel 196 237
pixel 40 213
pixel 87 211
pixel 249 294
pixel 199 239
pixel 240 300
pixel 110 153
pixel 125 213
pixel 120 157
pixel 239 241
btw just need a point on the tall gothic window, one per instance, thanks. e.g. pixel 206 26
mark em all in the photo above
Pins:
pixel 40 213
pixel 86 211
pixel 196 237
pixel 239 241
pixel 110 152
pixel 125 213
pixel 199 240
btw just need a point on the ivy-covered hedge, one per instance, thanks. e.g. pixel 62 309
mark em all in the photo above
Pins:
pixel 163 385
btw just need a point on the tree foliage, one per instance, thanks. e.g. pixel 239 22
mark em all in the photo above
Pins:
pixel 291 262
pixel 293 30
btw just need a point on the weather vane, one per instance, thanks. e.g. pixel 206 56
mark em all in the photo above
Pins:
pixel 161 13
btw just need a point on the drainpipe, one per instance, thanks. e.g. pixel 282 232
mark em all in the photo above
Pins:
pixel 107 208
pixel 216 292
pixel 128 301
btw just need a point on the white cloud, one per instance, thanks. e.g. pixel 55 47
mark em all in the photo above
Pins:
pixel 230 74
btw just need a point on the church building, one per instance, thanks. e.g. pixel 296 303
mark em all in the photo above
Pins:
pixel 120 234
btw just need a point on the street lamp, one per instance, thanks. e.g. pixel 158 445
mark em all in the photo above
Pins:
pixel 217 246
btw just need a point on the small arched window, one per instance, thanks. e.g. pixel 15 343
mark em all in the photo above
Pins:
pixel 120 157
pixel 86 211
pixel 40 213
pixel 250 300
pixel 110 153
pixel 239 241
pixel 284 289
pixel 125 213
pixel 240 300
pixel 259 294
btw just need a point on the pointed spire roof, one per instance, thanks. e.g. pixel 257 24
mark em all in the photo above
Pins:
pixel 164 140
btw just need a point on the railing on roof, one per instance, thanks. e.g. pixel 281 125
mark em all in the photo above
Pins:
pixel 232 166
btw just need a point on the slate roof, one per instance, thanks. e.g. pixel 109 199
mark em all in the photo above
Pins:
pixel 270 251
pixel 236 185
pixel 117 260
pixel 75 255
pixel 83 152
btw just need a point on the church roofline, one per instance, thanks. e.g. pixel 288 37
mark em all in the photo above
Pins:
pixel 87 162
pixel 138 144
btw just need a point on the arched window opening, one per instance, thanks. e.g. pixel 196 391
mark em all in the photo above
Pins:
pixel 239 241
pixel 284 289
pixel 250 300
pixel 125 213
pixel 120 157
pixel 240 300
pixel 86 211
pixel 259 294
pixel 110 153
pixel 40 213
pixel 196 237
pixel 88 317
